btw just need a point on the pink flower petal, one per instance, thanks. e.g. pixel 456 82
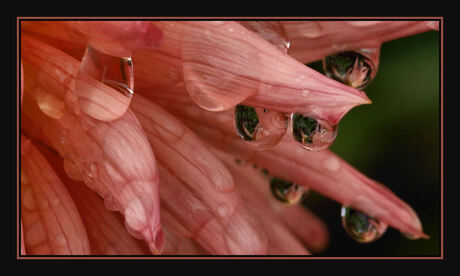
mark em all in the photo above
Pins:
pixel 197 190
pixel 221 68
pixel 280 240
pixel 114 159
pixel 321 171
pixel 52 223
pixel 313 40
pixel 106 234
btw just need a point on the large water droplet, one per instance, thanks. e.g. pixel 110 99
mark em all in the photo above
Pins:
pixel 285 191
pixel 49 104
pixel 271 31
pixel 262 127
pixel 312 134
pixel 360 226
pixel 104 84
pixel 354 68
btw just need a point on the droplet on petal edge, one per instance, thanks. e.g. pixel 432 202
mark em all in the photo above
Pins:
pixel 285 191
pixel 312 134
pixel 361 227
pixel 260 127
pixel 104 84
pixel 271 31
pixel 354 68
pixel 49 104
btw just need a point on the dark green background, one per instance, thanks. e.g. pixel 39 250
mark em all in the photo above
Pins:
pixel 396 141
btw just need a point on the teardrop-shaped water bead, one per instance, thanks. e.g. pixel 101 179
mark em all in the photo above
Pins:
pixel 312 134
pixel 361 227
pixel 104 84
pixel 271 31
pixel 261 127
pixel 285 191
pixel 354 68
pixel 49 104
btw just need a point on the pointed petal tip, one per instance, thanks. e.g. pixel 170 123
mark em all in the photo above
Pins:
pixel 157 246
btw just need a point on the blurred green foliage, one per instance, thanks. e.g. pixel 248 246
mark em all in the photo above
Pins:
pixel 396 141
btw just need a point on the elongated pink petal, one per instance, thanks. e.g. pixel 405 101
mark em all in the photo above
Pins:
pixel 223 64
pixel 114 158
pixel 313 40
pixel 322 171
pixel 197 190
pixel 118 38
pixel 305 225
pixel 52 223
pixel 106 234
pixel 57 34
pixel 280 240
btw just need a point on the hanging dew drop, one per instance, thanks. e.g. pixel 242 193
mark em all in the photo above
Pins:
pixel 354 68
pixel 361 227
pixel 285 191
pixel 312 134
pixel 261 127
pixel 104 84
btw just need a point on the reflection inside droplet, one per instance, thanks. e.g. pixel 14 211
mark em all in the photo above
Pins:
pixel 354 68
pixel 285 191
pixel 361 227
pixel 312 134
pixel 104 84
pixel 262 127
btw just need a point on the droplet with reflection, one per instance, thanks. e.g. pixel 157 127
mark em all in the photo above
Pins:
pixel 261 127
pixel 361 227
pixel 286 191
pixel 312 134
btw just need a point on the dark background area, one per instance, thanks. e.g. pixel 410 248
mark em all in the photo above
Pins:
pixel 396 141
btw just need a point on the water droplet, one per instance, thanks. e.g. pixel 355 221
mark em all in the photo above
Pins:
pixel 360 226
pixel 109 203
pixel 312 134
pixel 64 136
pixel 49 104
pixel 271 31
pixel 71 169
pixel 354 68
pixel 90 174
pixel 285 191
pixel 87 123
pixel 263 128
pixel 104 84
